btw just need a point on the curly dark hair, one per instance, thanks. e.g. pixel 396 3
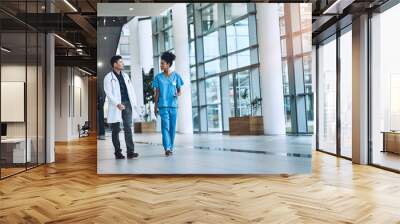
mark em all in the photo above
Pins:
pixel 168 57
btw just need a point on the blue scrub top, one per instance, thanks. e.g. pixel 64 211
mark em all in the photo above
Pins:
pixel 168 88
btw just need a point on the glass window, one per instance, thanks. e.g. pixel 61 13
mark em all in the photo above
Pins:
pixel 285 77
pixel 234 10
pixel 213 90
pixel 194 93
pixel 282 26
pixel 346 94
pixel 212 67
pixel 196 119
pixel 237 35
pixel 168 39
pixel 243 94
pixel 295 17
pixel 297 45
pixel 307 63
pixel 167 20
pixel 193 73
pixel 191 31
pixel 190 9
pixel 228 101
pixel 283 47
pixel 306 42
pixel 192 53
pixel 305 13
pixel 14 70
pixel 288 113
pixel 255 92
pixel 327 96
pixel 124 49
pixel 211 46
pixel 214 118
pixel 310 112
pixel 209 18
pixel 238 60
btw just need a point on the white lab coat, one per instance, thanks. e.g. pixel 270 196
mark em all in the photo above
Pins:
pixel 113 93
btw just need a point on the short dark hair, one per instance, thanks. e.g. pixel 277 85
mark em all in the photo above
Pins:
pixel 114 59
pixel 168 57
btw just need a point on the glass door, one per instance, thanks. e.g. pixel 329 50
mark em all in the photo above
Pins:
pixel 327 96
pixel 242 94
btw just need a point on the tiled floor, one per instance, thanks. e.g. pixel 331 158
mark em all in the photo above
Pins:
pixel 210 154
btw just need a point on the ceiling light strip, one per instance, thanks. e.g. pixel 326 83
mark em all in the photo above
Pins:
pixel 64 40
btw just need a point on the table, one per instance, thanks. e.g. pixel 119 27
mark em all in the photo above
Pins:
pixel 391 141
pixel 13 150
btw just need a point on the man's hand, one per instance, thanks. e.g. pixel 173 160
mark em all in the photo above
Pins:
pixel 156 110
pixel 121 106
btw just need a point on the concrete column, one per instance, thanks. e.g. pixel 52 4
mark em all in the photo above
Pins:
pixel 268 35
pixel 136 68
pixel 181 46
pixel 50 98
pixel 360 90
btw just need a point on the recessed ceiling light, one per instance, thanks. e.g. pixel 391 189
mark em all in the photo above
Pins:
pixel 99 64
pixel 105 38
pixel 84 71
pixel 130 9
pixel 43 7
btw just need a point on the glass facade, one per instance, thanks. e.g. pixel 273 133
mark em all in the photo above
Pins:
pixel 334 75
pixel 224 63
pixel 22 77
pixel 295 29
pixel 327 92
pixel 385 89
pixel 163 39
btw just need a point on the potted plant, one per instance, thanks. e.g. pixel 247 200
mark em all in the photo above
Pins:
pixel 248 125
pixel 148 124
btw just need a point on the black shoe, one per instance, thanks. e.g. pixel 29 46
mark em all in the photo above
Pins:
pixel 119 156
pixel 168 153
pixel 133 155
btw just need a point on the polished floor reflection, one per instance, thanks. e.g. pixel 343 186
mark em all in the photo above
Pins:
pixel 210 154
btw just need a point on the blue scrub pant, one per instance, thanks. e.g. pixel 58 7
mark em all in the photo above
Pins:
pixel 168 126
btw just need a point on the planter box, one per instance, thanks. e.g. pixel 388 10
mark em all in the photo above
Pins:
pixel 145 127
pixel 249 125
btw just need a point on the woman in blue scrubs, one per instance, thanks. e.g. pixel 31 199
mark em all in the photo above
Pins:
pixel 167 87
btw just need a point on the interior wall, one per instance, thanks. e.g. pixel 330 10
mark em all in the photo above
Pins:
pixel 71 102
pixel 16 73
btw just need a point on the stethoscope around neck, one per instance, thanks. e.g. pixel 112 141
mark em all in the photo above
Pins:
pixel 113 77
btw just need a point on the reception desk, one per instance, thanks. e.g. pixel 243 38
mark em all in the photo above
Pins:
pixel 391 141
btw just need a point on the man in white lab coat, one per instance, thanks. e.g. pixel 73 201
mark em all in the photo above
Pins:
pixel 122 107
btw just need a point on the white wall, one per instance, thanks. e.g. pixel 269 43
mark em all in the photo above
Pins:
pixel 69 82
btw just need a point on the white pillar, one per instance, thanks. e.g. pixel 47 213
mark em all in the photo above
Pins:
pixel 136 68
pixel 181 46
pixel 268 35
pixel 146 44
pixel 360 90
pixel 50 98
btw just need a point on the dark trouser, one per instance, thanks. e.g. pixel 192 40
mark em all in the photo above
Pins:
pixel 127 123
